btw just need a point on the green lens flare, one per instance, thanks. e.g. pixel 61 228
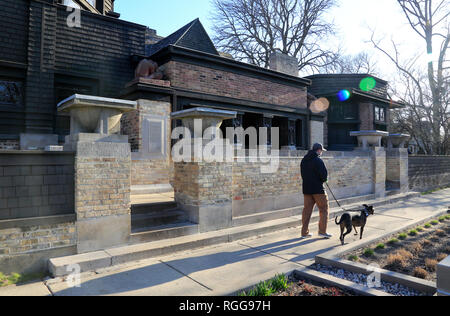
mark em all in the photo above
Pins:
pixel 367 84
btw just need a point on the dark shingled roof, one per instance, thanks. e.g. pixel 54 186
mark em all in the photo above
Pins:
pixel 192 36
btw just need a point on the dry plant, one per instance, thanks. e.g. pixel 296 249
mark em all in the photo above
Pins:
pixel 431 264
pixel 416 248
pixel 420 273
pixel 399 259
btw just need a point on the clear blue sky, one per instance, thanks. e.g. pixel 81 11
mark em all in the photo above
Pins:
pixel 166 16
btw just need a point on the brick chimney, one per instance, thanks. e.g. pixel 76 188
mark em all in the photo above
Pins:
pixel 283 63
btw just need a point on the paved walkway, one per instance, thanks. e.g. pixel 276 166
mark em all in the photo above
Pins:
pixel 227 268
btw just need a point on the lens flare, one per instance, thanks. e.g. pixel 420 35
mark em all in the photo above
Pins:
pixel 367 84
pixel 343 95
pixel 319 105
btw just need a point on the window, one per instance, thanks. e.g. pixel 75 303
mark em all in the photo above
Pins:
pixel 91 2
pixel 11 93
pixel 380 114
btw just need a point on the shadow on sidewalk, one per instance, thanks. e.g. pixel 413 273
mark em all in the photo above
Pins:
pixel 168 271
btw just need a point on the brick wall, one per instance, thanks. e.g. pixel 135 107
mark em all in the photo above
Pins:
pixel 428 172
pixel 397 169
pixel 253 191
pixel 250 183
pixel 203 183
pixel 21 240
pixel 36 185
pixel 151 171
pixel 366 112
pixel 228 84
pixel 350 174
pixel 103 187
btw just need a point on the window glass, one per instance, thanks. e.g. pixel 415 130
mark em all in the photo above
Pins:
pixel 11 93
pixel 380 114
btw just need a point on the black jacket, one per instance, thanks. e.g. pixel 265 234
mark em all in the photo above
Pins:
pixel 314 174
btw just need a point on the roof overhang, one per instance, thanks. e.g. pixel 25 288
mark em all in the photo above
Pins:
pixel 369 97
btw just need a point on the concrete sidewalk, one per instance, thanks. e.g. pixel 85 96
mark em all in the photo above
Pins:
pixel 228 268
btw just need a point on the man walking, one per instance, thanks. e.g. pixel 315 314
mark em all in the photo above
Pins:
pixel 314 174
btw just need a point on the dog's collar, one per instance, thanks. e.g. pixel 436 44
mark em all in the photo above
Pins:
pixel 367 213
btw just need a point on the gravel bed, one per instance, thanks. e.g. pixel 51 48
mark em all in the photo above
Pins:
pixel 394 289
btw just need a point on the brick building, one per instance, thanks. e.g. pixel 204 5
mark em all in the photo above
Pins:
pixel 358 110
pixel 43 60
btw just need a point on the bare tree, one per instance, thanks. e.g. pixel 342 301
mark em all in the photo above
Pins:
pixel 251 30
pixel 426 91
pixel 361 63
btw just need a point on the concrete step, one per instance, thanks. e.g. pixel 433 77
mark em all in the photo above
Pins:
pixel 170 231
pixel 115 256
pixel 154 219
pixel 146 208
pixel 151 189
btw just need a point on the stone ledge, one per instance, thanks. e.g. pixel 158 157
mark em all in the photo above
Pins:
pixel 341 283
pixel 386 275
pixel 443 277
pixel 38 221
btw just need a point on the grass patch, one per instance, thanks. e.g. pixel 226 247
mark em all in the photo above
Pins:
pixel 280 282
pixel 267 288
pixel 434 190
pixel 16 278
pixel 442 219
pixel 447 217
pixel 353 258
pixel 434 223
pixel 393 241
pixel 427 225
pixel 368 252
pixel 413 232
pixel 402 236
pixel 420 229
pixel 380 246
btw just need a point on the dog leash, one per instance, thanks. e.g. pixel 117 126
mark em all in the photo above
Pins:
pixel 339 204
